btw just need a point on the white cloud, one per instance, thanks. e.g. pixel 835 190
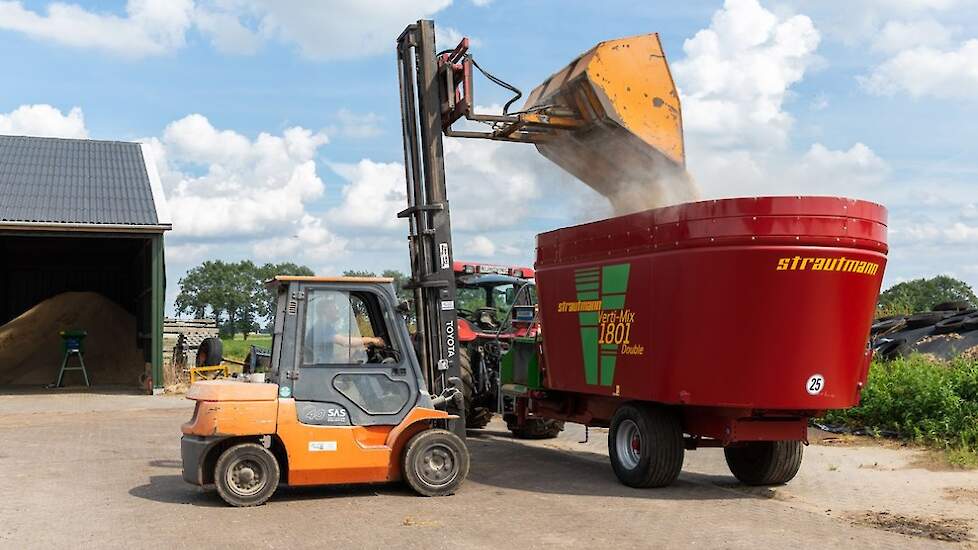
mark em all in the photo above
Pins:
pixel 321 30
pixel 896 36
pixel 188 254
pixel 357 125
pixel 858 165
pixel 927 71
pixel 43 120
pixel 860 22
pixel 936 233
pixel 226 31
pixel 149 27
pixel 736 74
pixel 480 246
pixel 221 184
pixel 446 38
pixel 492 184
pixel 853 172
pixel 819 103
pixel 970 211
pixel 376 192
pixel 960 232
pixel 340 30
pixel 312 241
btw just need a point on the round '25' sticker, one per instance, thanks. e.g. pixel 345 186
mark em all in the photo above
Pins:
pixel 815 384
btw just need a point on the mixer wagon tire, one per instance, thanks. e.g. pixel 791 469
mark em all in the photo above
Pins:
pixel 435 463
pixel 246 475
pixel 475 417
pixel 646 445
pixel 764 462
pixel 536 428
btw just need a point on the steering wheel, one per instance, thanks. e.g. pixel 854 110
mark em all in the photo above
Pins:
pixel 382 355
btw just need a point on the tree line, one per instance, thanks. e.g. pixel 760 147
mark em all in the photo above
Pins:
pixel 923 294
pixel 234 293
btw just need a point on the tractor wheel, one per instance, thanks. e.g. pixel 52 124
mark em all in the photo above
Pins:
pixel 535 428
pixel 246 475
pixel 475 417
pixel 435 463
pixel 764 462
pixel 210 352
pixel 646 446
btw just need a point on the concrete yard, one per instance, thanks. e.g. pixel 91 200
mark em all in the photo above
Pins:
pixel 90 470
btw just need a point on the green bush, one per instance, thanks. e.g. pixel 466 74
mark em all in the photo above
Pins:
pixel 925 401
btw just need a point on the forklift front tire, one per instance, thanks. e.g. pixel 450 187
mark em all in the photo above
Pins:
pixel 246 475
pixel 435 463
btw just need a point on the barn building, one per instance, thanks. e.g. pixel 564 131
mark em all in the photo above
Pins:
pixel 81 247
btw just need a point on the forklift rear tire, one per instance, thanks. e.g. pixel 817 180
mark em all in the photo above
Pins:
pixel 246 475
pixel 764 462
pixel 435 463
pixel 646 445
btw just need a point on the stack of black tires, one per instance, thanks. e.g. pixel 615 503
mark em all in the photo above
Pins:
pixel 950 329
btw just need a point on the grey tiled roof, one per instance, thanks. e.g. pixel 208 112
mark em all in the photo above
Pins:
pixel 74 181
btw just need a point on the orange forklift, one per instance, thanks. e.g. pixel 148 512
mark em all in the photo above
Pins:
pixel 345 403
pixel 350 396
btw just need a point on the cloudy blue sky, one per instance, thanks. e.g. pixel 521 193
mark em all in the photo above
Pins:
pixel 276 127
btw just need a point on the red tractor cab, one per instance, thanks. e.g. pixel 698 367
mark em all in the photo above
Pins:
pixel 494 304
pixel 492 301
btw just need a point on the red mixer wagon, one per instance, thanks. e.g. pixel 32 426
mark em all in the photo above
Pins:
pixel 725 323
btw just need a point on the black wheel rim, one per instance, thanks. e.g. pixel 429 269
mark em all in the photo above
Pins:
pixel 246 477
pixel 437 465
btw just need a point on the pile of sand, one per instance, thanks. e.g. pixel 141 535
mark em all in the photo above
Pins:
pixel 31 350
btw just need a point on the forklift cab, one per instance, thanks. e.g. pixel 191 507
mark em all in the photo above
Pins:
pixel 344 402
pixel 343 353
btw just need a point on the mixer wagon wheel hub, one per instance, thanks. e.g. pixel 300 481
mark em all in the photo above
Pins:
pixel 629 443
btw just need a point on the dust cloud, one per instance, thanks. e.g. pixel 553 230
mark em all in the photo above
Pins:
pixel 633 174
pixel 637 190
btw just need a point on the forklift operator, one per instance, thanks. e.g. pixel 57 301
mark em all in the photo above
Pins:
pixel 333 334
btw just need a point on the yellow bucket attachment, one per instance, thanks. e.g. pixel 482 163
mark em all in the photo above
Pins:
pixel 627 142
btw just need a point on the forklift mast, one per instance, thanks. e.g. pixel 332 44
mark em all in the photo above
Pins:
pixel 429 234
